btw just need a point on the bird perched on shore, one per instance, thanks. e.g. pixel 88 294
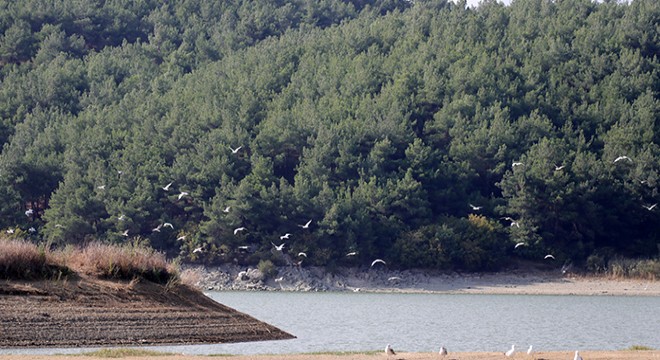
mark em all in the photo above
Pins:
pixel 577 356
pixel 511 351
pixel 443 351
pixel 389 351
pixel 529 351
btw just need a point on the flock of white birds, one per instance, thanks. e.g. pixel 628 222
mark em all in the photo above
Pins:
pixel 389 350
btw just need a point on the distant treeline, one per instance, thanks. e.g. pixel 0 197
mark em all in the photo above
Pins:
pixel 425 133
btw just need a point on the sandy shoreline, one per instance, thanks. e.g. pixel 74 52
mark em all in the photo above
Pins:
pixel 549 355
pixel 527 282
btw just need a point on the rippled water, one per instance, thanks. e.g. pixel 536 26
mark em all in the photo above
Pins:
pixel 424 322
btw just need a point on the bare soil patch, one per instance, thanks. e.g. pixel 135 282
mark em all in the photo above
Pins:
pixel 82 312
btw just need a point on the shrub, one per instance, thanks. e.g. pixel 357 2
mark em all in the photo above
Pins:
pixel 267 268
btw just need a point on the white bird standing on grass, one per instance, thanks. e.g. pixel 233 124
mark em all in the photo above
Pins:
pixel 511 351
pixel 577 356
pixel 529 351
pixel 389 351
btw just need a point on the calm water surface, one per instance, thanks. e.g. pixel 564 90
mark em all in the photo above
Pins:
pixel 424 322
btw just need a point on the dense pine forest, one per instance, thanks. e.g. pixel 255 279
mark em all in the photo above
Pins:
pixel 426 133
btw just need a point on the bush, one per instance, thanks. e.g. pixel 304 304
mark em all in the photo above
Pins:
pixel 267 268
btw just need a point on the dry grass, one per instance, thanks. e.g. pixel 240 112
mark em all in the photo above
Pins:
pixel 20 259
pixel 122 262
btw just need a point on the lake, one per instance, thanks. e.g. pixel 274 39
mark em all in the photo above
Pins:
pixel 424 322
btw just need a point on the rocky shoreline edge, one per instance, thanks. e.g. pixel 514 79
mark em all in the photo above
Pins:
pixel 316 279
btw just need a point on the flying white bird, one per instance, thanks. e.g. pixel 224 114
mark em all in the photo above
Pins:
pixel 32 229
pixel 513 222
pixel 352 253
pixel 239 229
pixel 243 247
pixel 511 351
pixel 285 236
pixel 59 226
pixel 125 233
pixel 516 163
pixel 182 194
pixel 102 187
pixel 199 249
pixel 278 248
pixel 622 158
pixel 393 278
pixel 519 245
pixel 306 226
pixel 29 212
pixel 167 187
pixel 279 279
pixel 226 210
pixel 301 253
pixel 577 356
pixel 549 256
pixel 169 225
pixel 529 351
pixel 649 208
pixel 443 351
pixel 121 217
pixel 181 238
pixel 157 228
pixel 378 261
pixel 475 208
pixel 234 151
pixel 389 351
pixel 10 231
pixel 557 168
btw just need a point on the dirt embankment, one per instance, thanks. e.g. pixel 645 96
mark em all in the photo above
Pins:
pixel 90 312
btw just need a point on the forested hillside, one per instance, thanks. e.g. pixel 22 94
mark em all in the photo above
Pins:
pixel 424 133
